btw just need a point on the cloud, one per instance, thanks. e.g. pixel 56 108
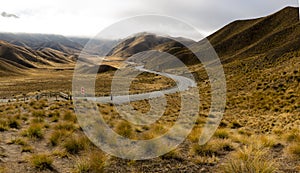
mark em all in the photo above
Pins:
pixel 87 18
pixel 211 15
pixel 4 14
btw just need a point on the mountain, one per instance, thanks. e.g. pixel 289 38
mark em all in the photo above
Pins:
pixel 10 68
pixel 270 37
pixel 68 45
pixel 16 59
pixel 265 40
pixel 95 46
pixel 144 42
pixel 23 56
pixel 40 41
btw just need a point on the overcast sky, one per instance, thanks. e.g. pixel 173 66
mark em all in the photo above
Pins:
pixel 89 17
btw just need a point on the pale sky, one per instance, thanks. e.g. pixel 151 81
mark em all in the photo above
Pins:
pixel 89 17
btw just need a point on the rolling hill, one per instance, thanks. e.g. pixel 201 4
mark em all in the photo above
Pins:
pixel 265 40
pixel 271 36
pixel 268 38
pixel 20 55
pixel 259 131
pixel 17 59
pixel 40 41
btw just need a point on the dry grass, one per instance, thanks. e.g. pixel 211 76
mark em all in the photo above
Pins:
pixel 206 160
pixel 294 150
pixel 75 144
pixel 41 161
pixel 261 113
pixel 292 136
pixel 222 133
pixel 57 136
pixel 26 148
pixel 214 147
pixel 125 129
pixel 250 160
pixel 34 131
pixel 68 126
pixel 18 141
pixel 92 162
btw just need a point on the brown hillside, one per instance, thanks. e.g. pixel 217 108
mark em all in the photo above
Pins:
pixel 138 43
pixel 271 36
pixel 20 55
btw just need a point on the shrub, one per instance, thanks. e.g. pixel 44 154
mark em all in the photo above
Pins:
pixel 213 147
pixel 125 129
pixel 93 162
pixel 235 125
pixel 53 107
pixel 222 133
pixel 18 141
pixel 57 136
pixel 3 125
pixel 3 169
pixel 206 160
pixel 69 116
pixel 37 120
pixel 74 144
pixel 40 113
pixel 13 123
pixel 34 131
pixel 83 166
pixel 268 141
pixel 26 148
pixel 249 159
pixel 293 136
pixel 65 126
pixel 294 149
pixel 54 114
pixel 41 161
pixel 174 154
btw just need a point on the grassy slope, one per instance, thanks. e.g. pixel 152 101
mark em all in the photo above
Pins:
pixel 259 131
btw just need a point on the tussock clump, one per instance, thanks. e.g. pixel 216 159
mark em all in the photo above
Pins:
pixel 34 131
pixel 74 145
pixel 13 123
pixel 294 149
pixel 222 133
pixel 293 136
pixel 57 136
pixel 69 116
pixel 39 113
pixel 41 161
pixel 125 129
pixel 94 161
pixel 213 148
pixel 18 141
pixel 26 148
pixel 3 126
pixel 250 160
pixel 65 126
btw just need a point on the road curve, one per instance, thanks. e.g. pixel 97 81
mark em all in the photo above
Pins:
pixel 183 84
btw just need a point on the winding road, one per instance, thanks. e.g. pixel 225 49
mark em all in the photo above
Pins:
pixel 183 84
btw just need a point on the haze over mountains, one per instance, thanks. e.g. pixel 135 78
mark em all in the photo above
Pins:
pixel 266 38
pixel 270 36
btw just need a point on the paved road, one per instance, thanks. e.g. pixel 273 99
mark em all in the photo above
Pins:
pixel 183 84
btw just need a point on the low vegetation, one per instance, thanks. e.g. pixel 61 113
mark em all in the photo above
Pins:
pixel 234 147
pixel 41 161
pixel 250 159
pixel 259 132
